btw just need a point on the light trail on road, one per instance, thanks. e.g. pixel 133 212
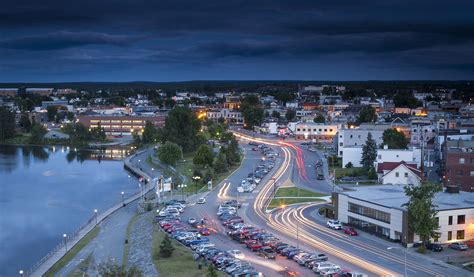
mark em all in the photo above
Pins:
pixel 298 215
pixel 284 227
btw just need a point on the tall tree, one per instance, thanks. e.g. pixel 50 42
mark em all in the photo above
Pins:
pixel 251 111
pixel 290 114
pixel 25 122
pixel 7 123
pixel 170 153
pixel 37 133
pixel 394 139
pixel 211 271
pixel 52 112
pixel 367 114
pixel 406 100
pixel 220 165
pixel 422 210
pixel 275 114
pixel 369 152
pixel 149 133
pixel 182 127
pixel 203 156
pixel 319 119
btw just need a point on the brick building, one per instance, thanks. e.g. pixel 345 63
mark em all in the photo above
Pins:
pixel 116 125
pixel 459 164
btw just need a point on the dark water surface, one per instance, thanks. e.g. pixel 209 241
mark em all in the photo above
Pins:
pixel 48 191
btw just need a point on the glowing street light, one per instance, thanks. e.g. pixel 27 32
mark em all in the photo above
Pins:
pixel 21 273
pixel 95 211
pixel 65 241
pixel 123 201
pixel 182 187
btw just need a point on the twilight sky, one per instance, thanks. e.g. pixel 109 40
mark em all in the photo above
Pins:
pixel 174 40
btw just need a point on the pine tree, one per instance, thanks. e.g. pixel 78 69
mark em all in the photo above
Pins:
pixel 369 152
pixel 211 271
pixel 166 247
pixel 220 165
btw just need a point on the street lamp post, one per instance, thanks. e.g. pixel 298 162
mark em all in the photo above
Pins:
pixel 21 273
pixel 95 212
pixel 123 201
pixel 405 252
pixel 65 241
pixel 182 186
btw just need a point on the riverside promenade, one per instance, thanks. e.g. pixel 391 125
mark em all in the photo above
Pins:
pixel 42 266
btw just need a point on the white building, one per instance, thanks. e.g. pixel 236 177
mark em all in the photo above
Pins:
pixel 358 136
pixel 315 131
pixel 351 154
pixel 229 115
pixel 399 173
pixel 380 210
pixel 412 155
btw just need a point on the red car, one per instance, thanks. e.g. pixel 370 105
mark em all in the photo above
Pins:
pixel 350 231
pixel 204 231
pixel 253 245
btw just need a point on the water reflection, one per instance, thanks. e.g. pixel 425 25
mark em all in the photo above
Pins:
pixel 10 158
pixel 49 191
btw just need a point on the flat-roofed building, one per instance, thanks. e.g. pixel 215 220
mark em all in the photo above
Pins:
pixel 379 210
pixel 315 131
pixel 12 92
pixel 117 125
pixel 40 91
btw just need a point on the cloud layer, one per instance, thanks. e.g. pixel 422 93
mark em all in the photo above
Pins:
pixel 182 40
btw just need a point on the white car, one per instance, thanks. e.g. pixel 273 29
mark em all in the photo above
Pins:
pixel 334 224
pixel 236 254
pixel 201 200
pixel 192 220
pixel 325 266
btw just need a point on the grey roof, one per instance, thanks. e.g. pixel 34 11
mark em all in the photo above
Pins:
pixel 394 197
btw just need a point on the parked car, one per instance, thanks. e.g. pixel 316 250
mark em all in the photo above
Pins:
pixel 324 266
pixel 334 224
pixel 201 200
pixel 350 231
pixel 192 221
pixel 435 247
pixel 267 253
pixel 458 246
pixel 236 254
pixel 204 231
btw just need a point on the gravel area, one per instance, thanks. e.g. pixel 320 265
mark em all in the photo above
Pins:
pixel 141 240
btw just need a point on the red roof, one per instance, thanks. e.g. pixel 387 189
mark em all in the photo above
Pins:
pixel 389 166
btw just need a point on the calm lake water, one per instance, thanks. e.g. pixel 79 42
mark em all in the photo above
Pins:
pixel 48 191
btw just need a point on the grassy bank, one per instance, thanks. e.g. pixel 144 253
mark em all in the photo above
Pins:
pixel 71 253
pixel 296 192
pixel 181 263
pixel 278 202
pixel 350 172
pixel 126 248
pixel 186 167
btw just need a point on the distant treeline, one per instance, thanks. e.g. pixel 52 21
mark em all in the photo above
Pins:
pixel 248 86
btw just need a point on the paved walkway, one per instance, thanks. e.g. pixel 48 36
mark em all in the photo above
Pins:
pixel 107 246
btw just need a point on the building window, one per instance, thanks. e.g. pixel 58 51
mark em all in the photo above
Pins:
pixel 397 174
pixel 330 130
pixel 369 212
pixel 351 136
pixel 459 172
pixel 472 160
pixel 380 157
pixel 460 234
pixel 340 152
pixel 450 220
pixel 298 129
pixel 461 160
pixel 450 235
pixel 471 173
pixel 461 219
pixel 340 144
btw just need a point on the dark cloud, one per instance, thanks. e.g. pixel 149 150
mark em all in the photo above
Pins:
pixel 61 40
pixel 155 35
